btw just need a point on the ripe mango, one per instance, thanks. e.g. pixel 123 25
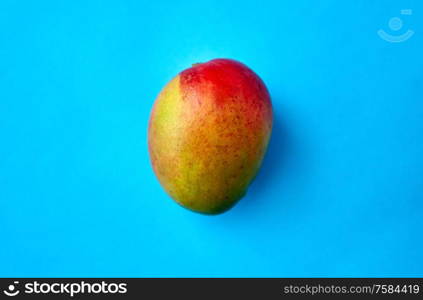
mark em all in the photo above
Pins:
pixel 208 132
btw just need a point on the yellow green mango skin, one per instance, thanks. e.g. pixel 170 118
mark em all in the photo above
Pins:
pixel 208 134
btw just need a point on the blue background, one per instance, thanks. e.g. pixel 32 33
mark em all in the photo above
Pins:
pixel 340 192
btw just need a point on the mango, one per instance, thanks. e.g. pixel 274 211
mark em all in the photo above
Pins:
pixel 208 133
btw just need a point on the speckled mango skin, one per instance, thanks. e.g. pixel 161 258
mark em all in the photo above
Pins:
pixel 208 133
